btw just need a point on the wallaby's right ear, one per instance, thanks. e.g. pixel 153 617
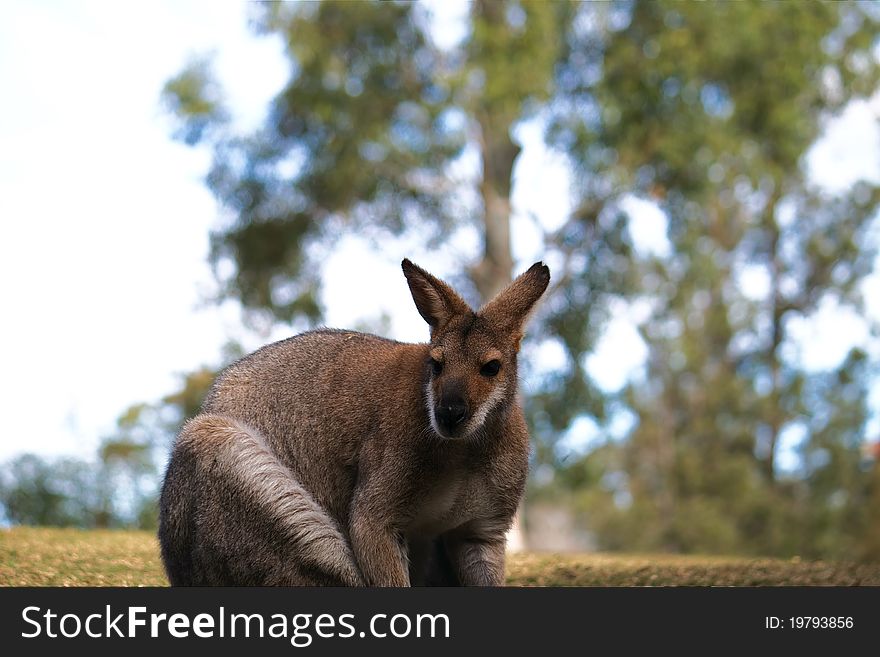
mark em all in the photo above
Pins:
pixel 510 309
pixel 437 303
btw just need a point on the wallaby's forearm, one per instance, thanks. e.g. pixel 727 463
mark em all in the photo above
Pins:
pixel 378 550
pixel 478 562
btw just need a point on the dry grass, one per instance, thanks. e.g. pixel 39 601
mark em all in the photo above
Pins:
pixel 683 570
pixel 32 556
pixel 71 557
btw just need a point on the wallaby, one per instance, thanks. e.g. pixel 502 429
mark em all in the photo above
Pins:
pixel 342 458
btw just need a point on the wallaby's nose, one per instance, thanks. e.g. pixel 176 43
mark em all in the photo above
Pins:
pixel 451 412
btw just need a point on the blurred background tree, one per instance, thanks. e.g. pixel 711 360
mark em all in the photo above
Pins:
pixel 60 492
pixel 119 487
pixel 705 112
pixel 712 122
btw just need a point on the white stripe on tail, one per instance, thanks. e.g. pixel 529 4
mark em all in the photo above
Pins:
pixel 247 460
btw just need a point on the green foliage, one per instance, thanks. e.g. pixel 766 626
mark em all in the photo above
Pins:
pixel 710 112
pixel 195 100
pixel 118 489
pixel 363 137
pixel 186 402
pixel 61 492
pixel 512 48
pixel 358 137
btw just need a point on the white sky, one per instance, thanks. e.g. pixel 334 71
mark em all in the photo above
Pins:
pixel 105 219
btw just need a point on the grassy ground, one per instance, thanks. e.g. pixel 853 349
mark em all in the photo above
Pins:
pixel 74 557
pixel 70 557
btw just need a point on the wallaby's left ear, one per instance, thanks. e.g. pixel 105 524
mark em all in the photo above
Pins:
pixel 511 307
pixel 436 302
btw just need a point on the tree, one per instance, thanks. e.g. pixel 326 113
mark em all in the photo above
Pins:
pixel 126 470
pixel 364 134
pixel 37 491
pixel 710 113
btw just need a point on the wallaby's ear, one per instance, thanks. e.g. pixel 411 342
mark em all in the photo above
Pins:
pixel 510 308
pixel 436 301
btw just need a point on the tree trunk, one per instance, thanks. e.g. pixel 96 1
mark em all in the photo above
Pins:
pixel 777 308
pixel 494 271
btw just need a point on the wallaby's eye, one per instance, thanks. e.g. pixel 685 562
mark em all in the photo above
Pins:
pixel 436 367
pixel 491 368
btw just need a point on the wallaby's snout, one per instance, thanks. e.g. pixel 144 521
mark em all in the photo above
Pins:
pixel 450 413
pixel 451 402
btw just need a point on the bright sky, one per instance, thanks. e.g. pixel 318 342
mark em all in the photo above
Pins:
pixel 105 219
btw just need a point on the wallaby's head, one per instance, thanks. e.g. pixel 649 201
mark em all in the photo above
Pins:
pixel 471 368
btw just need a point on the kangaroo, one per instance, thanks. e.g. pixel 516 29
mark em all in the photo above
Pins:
pixel 341 458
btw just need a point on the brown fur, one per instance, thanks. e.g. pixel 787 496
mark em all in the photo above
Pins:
pixel 337 457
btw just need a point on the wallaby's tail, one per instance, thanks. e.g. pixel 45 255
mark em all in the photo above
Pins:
pixel 239 459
